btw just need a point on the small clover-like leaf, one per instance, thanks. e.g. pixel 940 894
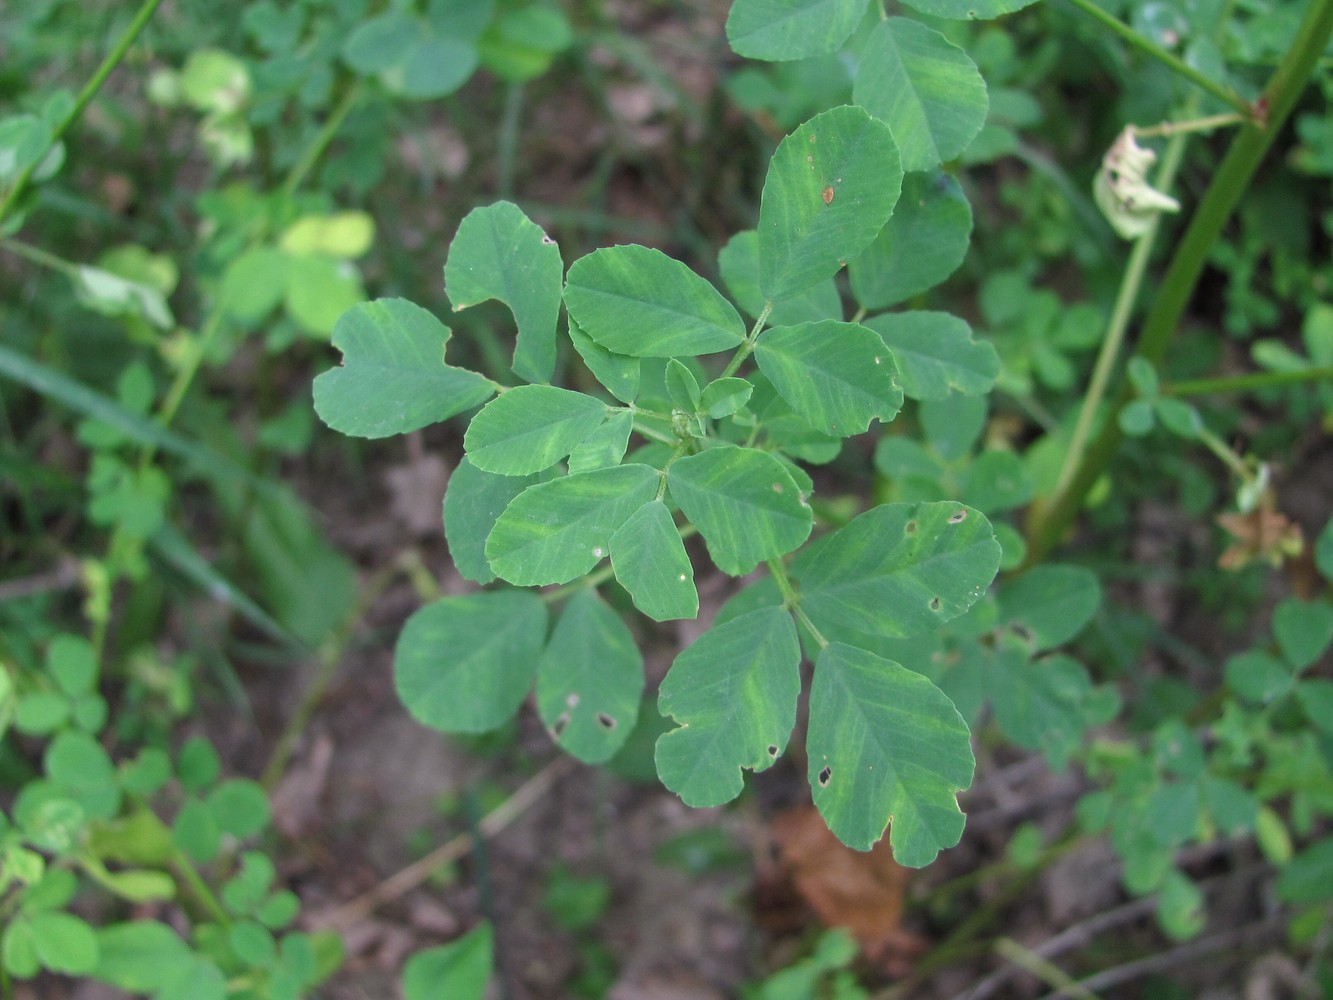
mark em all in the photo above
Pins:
pixel 650 562
pixel 530 428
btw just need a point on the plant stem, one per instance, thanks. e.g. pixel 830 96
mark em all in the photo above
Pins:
pixel 1243 383
pixel 1207 124
pixel 792 600
pixel 1229 184
pixel 507 143
pixel 747 346
pixel 1048 972
pixel 1174 63
pixel 36 255
pixel 89 91
pixel 311 154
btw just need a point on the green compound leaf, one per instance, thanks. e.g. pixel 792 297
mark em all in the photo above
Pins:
pixel 900 569
pixel 1039 704
pixel 733 691
pixel 556 531
pixel 1052 603
pixel 838 376
pixel 886 747
pixel 925 88
pixel 530 428
pixel 651 563
pixel 831 186
pixel 393 377
pixel 465 664
pixel 738 263
pixel 618 373
pixel 499 253
pixel 968 10
pixel 639 302
pixel 936 354
pixel 590 680
pixel 921 245
pixel 472 502
pixel 459 970
pixel 745 504
pixel 779 30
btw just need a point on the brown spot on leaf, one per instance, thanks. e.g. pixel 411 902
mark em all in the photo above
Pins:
pixel 828 195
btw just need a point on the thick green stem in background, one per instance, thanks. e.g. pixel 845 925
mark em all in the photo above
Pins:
pixel 1047 524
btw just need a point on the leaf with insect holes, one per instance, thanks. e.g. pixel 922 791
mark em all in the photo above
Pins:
pixel 472 502
pixel 465 664
pixel 886 747
pixel 936 354
pixel 561 529
pixel 899 569
pixel 779 30
pixel 393 377
pixel 733 691
pixel 639 302
pixel 831 186
pixel 530 428
pixel 590 679
pixel 650 562
pixel 745 504
pixel 925 88
pixel 838 376
pixel 499 253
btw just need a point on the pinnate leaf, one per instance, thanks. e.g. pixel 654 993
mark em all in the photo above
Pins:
pixel 778 30
pixel 886 746
pixel 936 354
pixel 590 679
pixel 651 563
pixel 734 692
pixel 639 302
pixel 831 186
pixel 561 529
pixel 529 428
pixel 838 376
pixel 744 502
pixel 393 377
pixel 465 664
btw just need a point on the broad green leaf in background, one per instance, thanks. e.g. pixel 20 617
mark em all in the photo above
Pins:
pixel 886 747
pixel 393 377
pixel 838 376
pixel 341 234
pixel 465 664
pixel 650 562
pixel 140 955
pixel 419 57
pixel 472 502
pixel 522 42
pixel 590 679
pixel 780 30
pixel 1051 602
pixel 561 529
pixel 968 10
pixel 733 691
pixel 1303 630
pixel 922 244
pixel 499 253
pixel 925 88
pixel 738 263
pixel 900 569
pixel 1039 704
pixel 996 480
pixel 831 186
pixel 529 428
pixel 745 504
pixel 320 290
pixel 639 302
pixel 936 354
pixel 63 942
pixel 617 372
pixel 1308 877
pixel 459 970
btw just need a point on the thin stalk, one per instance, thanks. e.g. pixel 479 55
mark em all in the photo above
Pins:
pixel 89 91
pixel 1227 455
pixel 792 601
pixel 747 346
pixel 311 154
pixel 1206 124
pixel 1177 65
pixel 1244 383
pixel 1048 972
pixel 36 255
pixel 507 144
pixel 1229 184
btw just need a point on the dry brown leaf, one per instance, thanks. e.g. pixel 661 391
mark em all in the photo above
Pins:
pixel 1260 535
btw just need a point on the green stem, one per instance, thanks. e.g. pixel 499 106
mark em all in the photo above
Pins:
pixel 1048 972
pixel 1226 454
pixel 1177 65
pixel 1229 184
pixel 747 346
pixel 198 887
pixel 38 256
pixel 310 156
pixel 1244 383
pixel 792 600
pixel 507 143
pixel 1207 124
pixel 88 92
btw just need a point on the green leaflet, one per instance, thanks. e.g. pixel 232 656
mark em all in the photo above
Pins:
pixel 936 354
pixel 738 263
pixel 590 680
pixel 499 253
pixel 838 376
pixel 922 244
pixel 1303 630
pixel 969 10
pixel 650 562
pixel 459 970
pixel 886 746
pixel 734 692
pixel 639 302
pixel 393 377
pixel 420 57
pixel 530 428
pixel 1052 603
pixel 605 446
pixel 831 186
pixel 745 504
pixel 561 529
pixel 472 503
pixel 618 373
pixel 925 88
pixel 1039 704
pixel 900 569
pixel 465 664
pixel 779 30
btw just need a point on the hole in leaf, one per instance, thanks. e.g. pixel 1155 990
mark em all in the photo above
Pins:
pixel 772 751
pixel 560 725
pixel 910 528
pixel 605 721
pixel 827 195
pixel 935 604
pixel 958 516
pixel 824 776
